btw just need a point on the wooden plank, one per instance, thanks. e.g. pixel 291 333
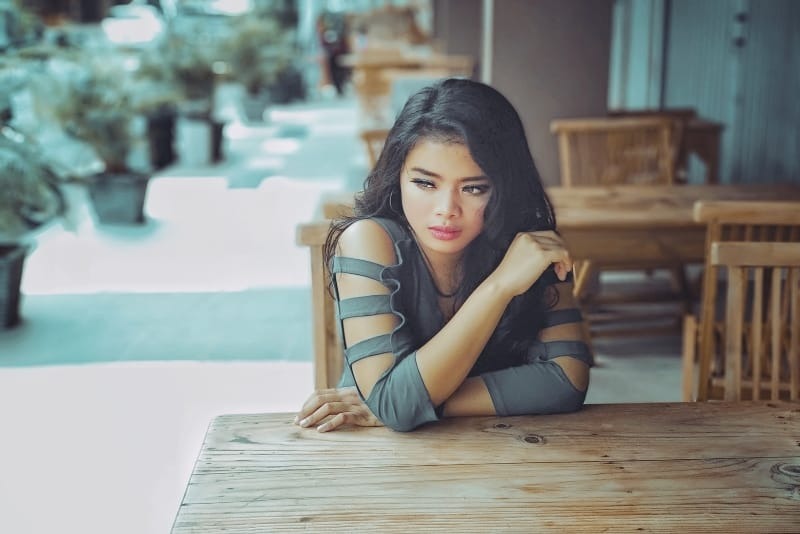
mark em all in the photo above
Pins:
pixel 749 211
pixel 744 254
pixel 635 246
pixel 596 433
pixel 727 495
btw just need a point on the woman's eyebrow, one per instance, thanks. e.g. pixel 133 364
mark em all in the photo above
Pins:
pixel 432 174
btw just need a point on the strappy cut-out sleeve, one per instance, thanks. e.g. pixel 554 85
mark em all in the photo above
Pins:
pixel 541 386
pixel 373 326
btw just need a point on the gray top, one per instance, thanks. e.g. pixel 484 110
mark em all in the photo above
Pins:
pixel 399 398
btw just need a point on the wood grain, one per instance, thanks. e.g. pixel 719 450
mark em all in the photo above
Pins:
pixel 725 467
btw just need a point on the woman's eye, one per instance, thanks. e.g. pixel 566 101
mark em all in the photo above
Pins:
pixel 424 184
pixel 476 189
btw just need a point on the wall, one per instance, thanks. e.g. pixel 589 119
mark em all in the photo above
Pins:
pixel 637 54
pixel 551 59
pixel 739 63
pixel 457 27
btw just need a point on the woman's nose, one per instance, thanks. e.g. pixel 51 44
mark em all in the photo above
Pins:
pixel 447 204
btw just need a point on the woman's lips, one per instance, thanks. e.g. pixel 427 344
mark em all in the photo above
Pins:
pixel 444 233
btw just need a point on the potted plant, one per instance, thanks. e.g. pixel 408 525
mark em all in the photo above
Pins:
pixel 157 96
pixel 257 52
pixel 29 199
pixel 94 104
pixel 188 60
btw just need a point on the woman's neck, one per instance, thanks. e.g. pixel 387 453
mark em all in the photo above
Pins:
pixel 445 271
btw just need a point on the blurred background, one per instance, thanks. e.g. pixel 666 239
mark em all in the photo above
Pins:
pixel 157 156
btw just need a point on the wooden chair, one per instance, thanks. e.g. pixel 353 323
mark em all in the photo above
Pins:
pixel 328 352
pixel 761 347
pixel 373 140
pixel 726 221
pixel 681 118
pixel 612 151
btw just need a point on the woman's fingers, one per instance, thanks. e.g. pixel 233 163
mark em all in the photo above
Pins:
pixel 339 406
pixel 322 396
pixel 335 422
pixel 327 409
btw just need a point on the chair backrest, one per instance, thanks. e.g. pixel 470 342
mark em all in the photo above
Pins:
pixel 681 118
pixel 762 320
pixel 373 139
pixel 610 151
pixel 742 221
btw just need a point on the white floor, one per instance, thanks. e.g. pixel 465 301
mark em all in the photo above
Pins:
pixel 108 448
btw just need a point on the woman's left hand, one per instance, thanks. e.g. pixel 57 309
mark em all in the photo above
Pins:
pixel 342 406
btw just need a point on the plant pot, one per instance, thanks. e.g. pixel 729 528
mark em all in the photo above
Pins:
pixel 254 105
pixel 12 259
pixel 118 198
pixel 217 128
pixel 161 138
pixel 199 140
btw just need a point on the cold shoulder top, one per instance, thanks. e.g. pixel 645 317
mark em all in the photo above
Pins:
pixel 399 398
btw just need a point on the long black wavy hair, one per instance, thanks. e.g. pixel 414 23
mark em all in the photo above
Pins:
pixel 479 117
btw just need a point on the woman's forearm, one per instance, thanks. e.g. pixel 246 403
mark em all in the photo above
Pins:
pixel 446 360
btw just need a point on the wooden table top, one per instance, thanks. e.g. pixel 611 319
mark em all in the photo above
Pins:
pixel 624 206
pixel 725 467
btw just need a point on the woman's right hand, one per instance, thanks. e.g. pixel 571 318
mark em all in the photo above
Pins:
pixel 529 255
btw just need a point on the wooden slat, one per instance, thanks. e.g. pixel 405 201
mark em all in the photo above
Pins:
pixel 756 323
pixel 748 212
pixel 794 333
pixel 733 333
pixel 743 254
pixel 522 498
pixel 775 332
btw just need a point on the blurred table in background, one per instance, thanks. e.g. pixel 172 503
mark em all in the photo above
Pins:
pixel 376 71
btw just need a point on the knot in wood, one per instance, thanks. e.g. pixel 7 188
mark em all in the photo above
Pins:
pixel 533 439
pixel 792 470
pixel 502 425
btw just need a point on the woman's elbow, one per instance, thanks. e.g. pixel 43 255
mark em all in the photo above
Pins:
pixel 402 413
pixel 569 399
pixel 397 416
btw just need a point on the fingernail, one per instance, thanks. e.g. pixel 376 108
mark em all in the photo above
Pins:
pixel 304 422
pixel 322 427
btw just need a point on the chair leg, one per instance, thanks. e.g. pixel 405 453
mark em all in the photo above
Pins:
pixel 689 357
pixel 583 275
pixel 681 285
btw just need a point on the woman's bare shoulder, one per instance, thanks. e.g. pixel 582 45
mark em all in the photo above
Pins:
pixel 366 239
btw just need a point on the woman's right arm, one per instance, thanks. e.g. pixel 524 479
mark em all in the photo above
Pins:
pixel 445 360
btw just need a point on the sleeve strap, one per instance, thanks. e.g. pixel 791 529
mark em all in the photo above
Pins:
pixel 370 269
pixel 369 347
pixel 558 317
pixel 364 306
pixel 553 349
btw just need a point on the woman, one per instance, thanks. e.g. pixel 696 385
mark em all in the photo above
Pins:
pixel 450 281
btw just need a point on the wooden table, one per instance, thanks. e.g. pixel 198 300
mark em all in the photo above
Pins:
pixel 614 226
pixel 724 467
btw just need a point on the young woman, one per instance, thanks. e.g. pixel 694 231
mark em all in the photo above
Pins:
pixel 450 281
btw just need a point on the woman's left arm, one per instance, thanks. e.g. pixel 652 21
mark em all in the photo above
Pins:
pixel 556 381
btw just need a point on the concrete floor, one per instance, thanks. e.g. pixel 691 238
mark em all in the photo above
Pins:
pixel 134 339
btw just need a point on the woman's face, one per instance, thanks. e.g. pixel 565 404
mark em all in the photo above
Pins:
pixel 444 195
